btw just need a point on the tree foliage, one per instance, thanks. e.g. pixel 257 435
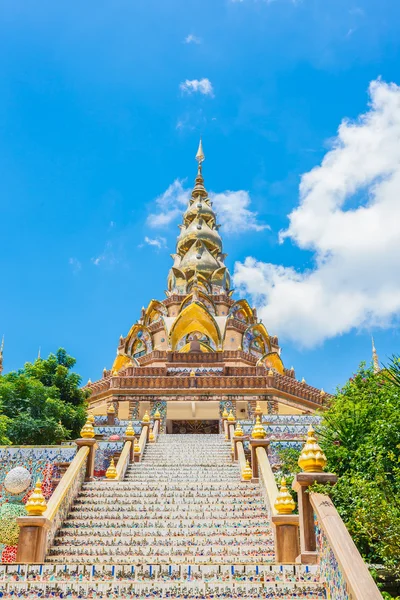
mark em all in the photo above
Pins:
pixel 42 403
pixel 360 434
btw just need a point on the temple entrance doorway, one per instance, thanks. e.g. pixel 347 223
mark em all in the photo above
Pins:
pixel 192 426
pixel 192 416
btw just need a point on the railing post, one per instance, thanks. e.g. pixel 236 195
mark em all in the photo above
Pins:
pixel 32 540
pixel 254 444
pixel 92 445
pixel 235 440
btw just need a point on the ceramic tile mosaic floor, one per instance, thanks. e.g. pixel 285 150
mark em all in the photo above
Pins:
pixel 181 525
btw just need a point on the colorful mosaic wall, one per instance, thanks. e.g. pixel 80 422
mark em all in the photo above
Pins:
pixel 104 453
pixel 40 463
pixel 330 571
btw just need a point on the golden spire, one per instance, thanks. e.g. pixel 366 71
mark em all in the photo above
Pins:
pixel 284 503
pixel 375 358
pixel 238 431
pixel 247 473
pixel 111 409
pixel 157 414
pixel 36 504
pixel 111 472
pixel 136 447
pixel 312 459
pixel 129 431
pixel 225 414
pixel 200 154
pixel 151 435
pixel 146 417
pixel 90 419
pixel 258 410
pixel 87 430
pixel 231 417
pixel 258 432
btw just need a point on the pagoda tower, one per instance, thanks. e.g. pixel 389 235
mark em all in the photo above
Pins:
pixel 200 348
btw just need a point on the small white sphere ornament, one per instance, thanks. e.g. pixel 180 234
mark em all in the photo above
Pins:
pixel 17 480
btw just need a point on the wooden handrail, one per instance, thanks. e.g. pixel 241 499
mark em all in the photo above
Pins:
pixel 123 461
pixel 268 478
pixel 360 584
pixel 66 481
pixel 241 456
pixel 156 429
pixel 143 438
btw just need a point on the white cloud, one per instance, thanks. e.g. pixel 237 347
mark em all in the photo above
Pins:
pixel 169 205
pixel 107 257
pixel 201 86
pixel 349 217
pixel 158 242
pixel 192 39
pixel 233 212
pixel 75 264
pixel 232 209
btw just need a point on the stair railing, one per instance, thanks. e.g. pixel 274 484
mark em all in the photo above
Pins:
pixel 343 570
pixel 124 459
pixel 37 533
pixel 286 526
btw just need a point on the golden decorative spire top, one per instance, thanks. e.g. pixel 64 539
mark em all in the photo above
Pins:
pixel 136 447
pixel 87 430
pixel 284 503
pixel 157 414
pixel 129 431
pixel 375 358
pixel 200 154
pixel 111 409
pixel 231 416
pixel 247 473
pixel 151 435
pixel 225 414
pixel 238 431
pixel 146 417
pixel 36 504
pixel 258 432
pixel 111 472
pixel 312 459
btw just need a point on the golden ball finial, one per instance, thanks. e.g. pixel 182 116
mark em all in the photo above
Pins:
pixel 238 431
pixel 111 472
pixel 312 459
pixel 258 432
pixel 146 417
pixel 224 414
pixel 129 431
pixel 87 430
pixel 231 416
pixel 247 473
pixel 284 503
pixel 157 414
pixel 111 409
pixel 151 435
pixel 36 504
pixel 136 447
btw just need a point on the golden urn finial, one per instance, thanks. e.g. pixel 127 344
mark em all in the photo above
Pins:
pixel 130 432
pixel 90 418
pixel 157 414
pixel 312 459
pixel 87 430
pixel 146 417
pixel 136 447
pixel 225 414
pixel 238 431
pixel 247 473
pixel 231 417
pixel 151 435
pixel 284 503
pixel 258 432
pixel 111 409
pixel 258 410
pixel 36 504
pixel 111 472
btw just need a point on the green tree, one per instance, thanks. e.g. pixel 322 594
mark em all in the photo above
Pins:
pixel 360 435
pixel 42 402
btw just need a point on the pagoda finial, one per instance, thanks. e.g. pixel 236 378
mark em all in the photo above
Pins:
pixel 375 358
pixel 200 154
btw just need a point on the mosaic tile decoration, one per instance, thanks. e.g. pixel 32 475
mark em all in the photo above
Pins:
pixel 105 451
pixel 331 573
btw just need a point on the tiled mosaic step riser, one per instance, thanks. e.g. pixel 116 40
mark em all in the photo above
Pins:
pixel 84 532
pixel 103 590
pixel 184 539
pixel 161 558
pixel 154 487
pixel 155 572
pixel 158 524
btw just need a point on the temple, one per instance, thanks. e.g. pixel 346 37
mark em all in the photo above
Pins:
pixel 200 349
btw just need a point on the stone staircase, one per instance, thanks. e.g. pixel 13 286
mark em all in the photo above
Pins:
pixel 181 525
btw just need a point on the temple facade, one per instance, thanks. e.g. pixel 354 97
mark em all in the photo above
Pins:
pixel 200 350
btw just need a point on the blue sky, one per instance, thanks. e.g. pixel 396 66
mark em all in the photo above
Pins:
pixel 101 108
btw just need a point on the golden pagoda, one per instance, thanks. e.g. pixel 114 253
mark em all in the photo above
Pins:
pixel 284 503
pixel 199 333
pixel 36 503
pixel 247 473
pixel 258 432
